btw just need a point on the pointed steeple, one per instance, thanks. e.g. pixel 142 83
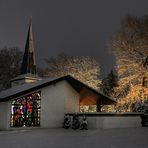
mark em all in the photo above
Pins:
pixel 28 69
pixel 29 63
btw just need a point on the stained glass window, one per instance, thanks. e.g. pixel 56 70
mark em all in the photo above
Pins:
pixel 25 111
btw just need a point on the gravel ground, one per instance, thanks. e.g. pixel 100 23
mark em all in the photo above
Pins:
pixel 61 138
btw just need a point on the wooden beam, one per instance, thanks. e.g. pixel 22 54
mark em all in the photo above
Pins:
pixel 99 105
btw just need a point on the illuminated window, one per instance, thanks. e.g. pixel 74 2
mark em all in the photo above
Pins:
pixel 25 111
pixel 88 108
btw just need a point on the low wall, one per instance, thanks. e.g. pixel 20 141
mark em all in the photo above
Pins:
pixel 111 120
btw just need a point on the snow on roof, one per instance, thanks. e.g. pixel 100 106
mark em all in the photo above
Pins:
pixel 15 91
pixel 20 88
pixel 22 76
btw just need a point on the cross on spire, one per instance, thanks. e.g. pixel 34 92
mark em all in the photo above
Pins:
pixel 29 63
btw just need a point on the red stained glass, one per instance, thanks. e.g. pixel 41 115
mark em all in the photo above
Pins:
pixel 26 110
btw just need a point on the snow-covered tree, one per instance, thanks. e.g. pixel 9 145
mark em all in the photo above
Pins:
pixel 140 106
pixel 85 69
pixel 108 87
pixel 130 45
pixel 109 83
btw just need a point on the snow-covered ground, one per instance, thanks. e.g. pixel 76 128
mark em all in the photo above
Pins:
pixel 61 138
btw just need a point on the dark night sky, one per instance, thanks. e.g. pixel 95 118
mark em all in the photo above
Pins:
pixel 77 27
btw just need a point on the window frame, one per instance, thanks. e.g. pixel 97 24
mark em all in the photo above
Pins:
pixel 37 119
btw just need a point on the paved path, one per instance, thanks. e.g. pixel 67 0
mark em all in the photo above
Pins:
pixel 60 138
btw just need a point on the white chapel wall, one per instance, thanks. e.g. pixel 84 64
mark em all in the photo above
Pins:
pixel 53 101
pixel 4 115
pixel 71 100
pixel 56 100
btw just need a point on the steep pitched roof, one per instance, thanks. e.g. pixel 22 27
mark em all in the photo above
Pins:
pixel 25 88
pixel 29 63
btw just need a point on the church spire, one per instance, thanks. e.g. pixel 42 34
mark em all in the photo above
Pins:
pixel 28 69
pixel 29 63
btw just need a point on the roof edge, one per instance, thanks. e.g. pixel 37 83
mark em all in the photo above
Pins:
pixel 66 77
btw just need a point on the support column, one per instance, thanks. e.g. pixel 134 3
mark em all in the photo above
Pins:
pixel 99 105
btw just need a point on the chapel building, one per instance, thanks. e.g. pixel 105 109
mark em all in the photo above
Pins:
pixel 35 102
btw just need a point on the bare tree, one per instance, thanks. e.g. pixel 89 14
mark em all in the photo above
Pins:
pixel 85 69
pixel 130 45
pixel 10 62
